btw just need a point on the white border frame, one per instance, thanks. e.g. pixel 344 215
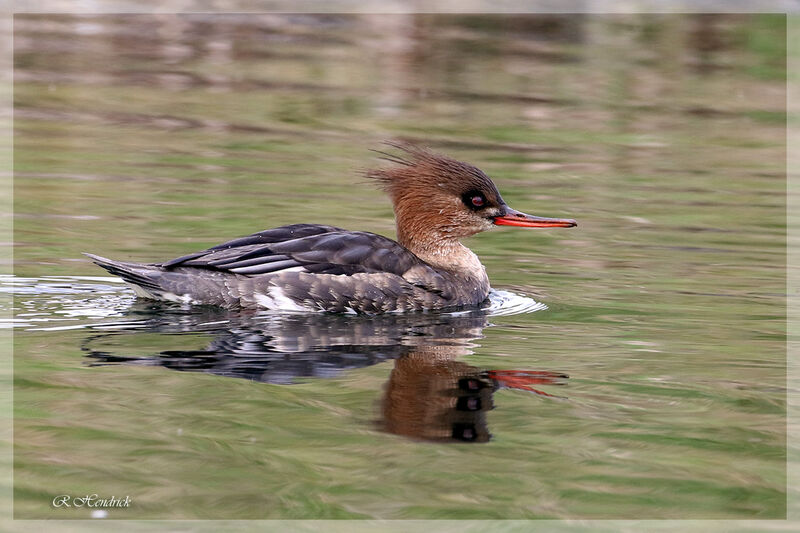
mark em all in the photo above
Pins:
pixel 791 7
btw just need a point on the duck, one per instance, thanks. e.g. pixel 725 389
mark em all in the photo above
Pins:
pixel 437 200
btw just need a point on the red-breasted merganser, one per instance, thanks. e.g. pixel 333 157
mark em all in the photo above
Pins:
pixel 311 267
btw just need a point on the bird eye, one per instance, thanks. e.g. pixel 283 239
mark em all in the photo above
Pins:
pixel 475 200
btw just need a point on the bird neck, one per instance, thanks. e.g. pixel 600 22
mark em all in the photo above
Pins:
pixel 443 253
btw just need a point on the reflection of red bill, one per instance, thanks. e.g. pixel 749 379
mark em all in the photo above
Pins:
pixel 523 379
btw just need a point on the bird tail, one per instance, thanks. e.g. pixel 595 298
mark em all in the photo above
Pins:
pixel 141 275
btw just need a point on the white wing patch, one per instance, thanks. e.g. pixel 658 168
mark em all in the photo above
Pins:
pixel 293 269
pixel 275 299
pixel 181 299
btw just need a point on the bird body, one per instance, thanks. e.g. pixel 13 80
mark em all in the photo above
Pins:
pixel 312 267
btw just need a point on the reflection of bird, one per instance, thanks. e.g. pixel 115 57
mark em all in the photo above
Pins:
pixel 310 267
pixel 281 348
pixel 430 395
pixel 433 397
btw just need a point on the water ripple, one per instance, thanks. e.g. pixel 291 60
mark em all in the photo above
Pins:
pixel 65 302
pixel 503 303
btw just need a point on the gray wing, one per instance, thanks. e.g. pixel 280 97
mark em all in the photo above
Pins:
pixel 313 249
pixel 314 266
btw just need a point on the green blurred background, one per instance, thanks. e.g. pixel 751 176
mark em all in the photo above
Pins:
pixel 145 137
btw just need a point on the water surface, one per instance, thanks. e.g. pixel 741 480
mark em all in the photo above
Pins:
pixel 148 137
